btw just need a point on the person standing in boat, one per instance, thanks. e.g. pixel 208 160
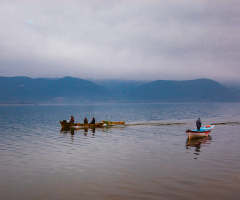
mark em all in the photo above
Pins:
pixel 85 121
pixel 198 124
pixel 93 121
pixel 72 119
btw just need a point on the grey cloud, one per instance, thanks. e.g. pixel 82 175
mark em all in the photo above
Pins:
pixel 120 39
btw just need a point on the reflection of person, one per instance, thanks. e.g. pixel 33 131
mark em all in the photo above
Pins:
pixel 85 121
pixel 93 121
pixel 72 119
pixel 198 123
pixel 85 131
pixel 93 131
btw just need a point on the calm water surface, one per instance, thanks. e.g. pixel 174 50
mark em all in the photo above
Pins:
pixel 146 159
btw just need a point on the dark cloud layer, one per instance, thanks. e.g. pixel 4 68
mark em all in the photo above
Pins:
pixel 144 40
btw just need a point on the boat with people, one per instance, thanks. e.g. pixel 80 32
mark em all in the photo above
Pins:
pixel 198 133
pixel 70 124
pixel 67 124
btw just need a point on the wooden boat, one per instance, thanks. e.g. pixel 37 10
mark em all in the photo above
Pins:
pixel 66 124
pixel 113 123
pixel 203 132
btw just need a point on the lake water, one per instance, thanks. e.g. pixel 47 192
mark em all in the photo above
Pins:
pixel 149 158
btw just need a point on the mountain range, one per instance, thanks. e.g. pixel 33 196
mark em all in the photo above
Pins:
pixel 200 90
pixel 43 90
pixel 75 90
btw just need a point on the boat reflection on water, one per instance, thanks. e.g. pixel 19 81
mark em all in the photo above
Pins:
pixel 197 143
pixel 86 130
pixel 72 131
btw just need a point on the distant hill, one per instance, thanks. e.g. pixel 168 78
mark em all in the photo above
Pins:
pixel 201 90
pixel 120 89
pixel 43 90
pixel 74 90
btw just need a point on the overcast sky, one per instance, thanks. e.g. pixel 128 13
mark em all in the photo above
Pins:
pixel 122 39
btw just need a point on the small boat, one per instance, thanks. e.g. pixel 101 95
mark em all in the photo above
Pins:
pixel 203 132
pixel 66 124
pixel 113 123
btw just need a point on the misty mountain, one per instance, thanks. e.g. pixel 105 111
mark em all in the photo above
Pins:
pixel 120 89
pixel 43 90
pixel 74 90
pixel 200 90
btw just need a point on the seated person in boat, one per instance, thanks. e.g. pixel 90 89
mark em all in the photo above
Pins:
pixel 85 121
pixel 93 121
pixel 198 124
pixel 72 119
